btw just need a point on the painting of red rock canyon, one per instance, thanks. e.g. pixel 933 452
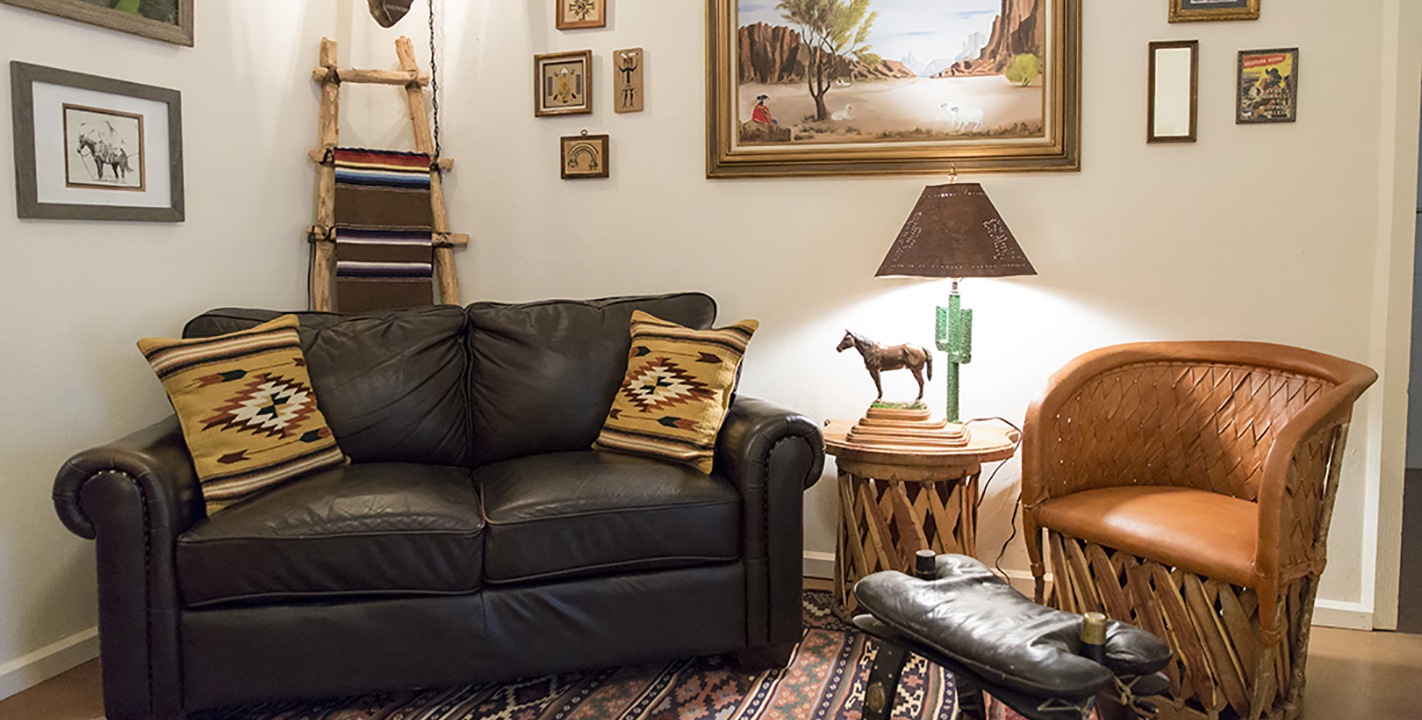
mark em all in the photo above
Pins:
pixel 839 87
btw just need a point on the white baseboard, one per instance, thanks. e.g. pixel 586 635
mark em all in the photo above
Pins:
pixel 819 565
pixel 1346 615
pixel 27 671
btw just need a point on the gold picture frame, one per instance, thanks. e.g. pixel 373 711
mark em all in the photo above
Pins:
pixel 177 30
pixel 775 136
pixel 562 83
pixel 1213 10
pixel 578 14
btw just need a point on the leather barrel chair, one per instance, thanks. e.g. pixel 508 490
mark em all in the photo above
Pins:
pixel 1187 488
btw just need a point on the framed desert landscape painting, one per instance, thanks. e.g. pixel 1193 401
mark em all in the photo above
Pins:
pixel 166 20
pixel 849 87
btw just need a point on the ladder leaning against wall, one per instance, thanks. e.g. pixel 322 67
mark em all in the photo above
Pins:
pixel 322 235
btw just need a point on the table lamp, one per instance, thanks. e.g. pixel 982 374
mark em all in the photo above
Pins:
pixel 955 232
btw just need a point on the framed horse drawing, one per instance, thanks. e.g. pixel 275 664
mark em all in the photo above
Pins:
pixel 95 148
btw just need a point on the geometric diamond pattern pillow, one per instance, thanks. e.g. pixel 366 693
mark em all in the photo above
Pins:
pixel 247 409
pixel 676 391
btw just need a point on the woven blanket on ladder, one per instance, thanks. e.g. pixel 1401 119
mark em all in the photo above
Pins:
pixel 384 251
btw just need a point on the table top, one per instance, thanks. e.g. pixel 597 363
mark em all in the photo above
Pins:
pixel 987 443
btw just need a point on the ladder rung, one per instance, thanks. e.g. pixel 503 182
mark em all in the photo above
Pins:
pixel 318 156
pixel 376 77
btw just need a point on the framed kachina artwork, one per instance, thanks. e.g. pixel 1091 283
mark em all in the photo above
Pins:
pixel 562 83
pixel 849 87
pixel 1209 10
pixel 1268 86
pixel 166 20
pixel 575 14
pixel 95 148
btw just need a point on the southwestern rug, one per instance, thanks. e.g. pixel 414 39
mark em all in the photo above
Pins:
pixel 824 681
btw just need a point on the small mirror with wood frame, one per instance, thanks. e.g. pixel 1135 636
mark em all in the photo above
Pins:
pixel 1174 91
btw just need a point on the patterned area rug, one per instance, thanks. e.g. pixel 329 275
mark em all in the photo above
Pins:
pixel 825 681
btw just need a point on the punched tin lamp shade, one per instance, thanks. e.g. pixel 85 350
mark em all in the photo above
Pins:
pixel 955 232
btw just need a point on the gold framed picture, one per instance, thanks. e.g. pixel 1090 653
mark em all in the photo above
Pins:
pixel 798 92
pixel 578 14
pixel 562 83
pixel 167 20
pixel 584 156
pixel 1210 10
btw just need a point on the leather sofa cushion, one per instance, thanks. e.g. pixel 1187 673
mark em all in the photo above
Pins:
pixel 543 375
pixel 564 515
pixel 379 529
pixel 1199 531
pixel 391 384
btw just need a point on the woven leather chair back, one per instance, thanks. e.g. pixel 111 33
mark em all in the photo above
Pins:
pixel 1202 425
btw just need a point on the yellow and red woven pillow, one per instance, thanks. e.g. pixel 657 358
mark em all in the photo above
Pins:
pixel 676 391
pixel 248 412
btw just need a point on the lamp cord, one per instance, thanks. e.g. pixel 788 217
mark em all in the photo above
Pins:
pixel 434 85
pixel 982 495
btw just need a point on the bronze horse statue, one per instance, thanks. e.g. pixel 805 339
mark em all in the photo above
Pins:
pixel 878 358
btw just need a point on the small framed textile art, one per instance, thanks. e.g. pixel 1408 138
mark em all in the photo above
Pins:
pixel 575 14
pixel 562 83
pixel 584 156
pixel 94 148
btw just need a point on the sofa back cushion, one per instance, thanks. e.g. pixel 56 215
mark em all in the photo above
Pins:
pixel 543 375
pixel 391 384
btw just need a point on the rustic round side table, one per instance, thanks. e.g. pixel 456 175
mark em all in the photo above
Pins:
pixel 897 500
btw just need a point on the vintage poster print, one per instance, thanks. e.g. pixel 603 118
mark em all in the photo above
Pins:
pixel 1268 86
pixel 103 148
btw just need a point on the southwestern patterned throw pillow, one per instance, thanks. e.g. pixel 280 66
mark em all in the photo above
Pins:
pixel 247 409
pixel 676 391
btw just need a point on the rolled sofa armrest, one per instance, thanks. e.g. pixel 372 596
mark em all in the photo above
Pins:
pixel 771 455
pixel 134 497
pixel 156 458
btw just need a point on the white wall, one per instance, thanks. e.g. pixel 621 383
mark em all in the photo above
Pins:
pixel 1285 233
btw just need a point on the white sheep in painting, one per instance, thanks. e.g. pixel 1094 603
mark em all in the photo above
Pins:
pixel 842 115
pixel 961 117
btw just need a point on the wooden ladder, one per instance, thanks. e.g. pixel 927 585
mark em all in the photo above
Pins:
pixel 323 234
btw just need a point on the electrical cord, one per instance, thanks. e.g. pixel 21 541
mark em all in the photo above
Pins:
pixel 982 495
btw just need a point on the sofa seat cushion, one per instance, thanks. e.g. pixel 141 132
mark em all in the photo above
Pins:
pixel 379 529
pixel 563 515
pixel 1195 530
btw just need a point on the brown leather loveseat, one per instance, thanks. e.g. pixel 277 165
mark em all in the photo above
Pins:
pixel 474 536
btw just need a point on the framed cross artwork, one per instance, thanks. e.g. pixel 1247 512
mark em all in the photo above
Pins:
pixel 577 14
pixel 562 83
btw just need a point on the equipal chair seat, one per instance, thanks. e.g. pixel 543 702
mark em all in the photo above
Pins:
pixel 1187 488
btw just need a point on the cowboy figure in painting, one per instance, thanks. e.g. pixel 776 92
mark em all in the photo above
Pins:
pixel 761 113
pixel 878 358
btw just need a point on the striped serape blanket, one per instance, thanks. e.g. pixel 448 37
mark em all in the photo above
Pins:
pixel 384 254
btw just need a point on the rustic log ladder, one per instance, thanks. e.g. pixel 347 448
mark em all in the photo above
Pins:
pixel 323 234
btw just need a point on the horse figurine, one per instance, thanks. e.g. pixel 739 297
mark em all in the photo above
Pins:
pixel 878 358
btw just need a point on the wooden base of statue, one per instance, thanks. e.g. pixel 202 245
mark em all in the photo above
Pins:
pixel 907 426
pixel 897 499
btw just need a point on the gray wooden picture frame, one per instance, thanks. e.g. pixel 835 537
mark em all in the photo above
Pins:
pixel 179 33
pixel 23 76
